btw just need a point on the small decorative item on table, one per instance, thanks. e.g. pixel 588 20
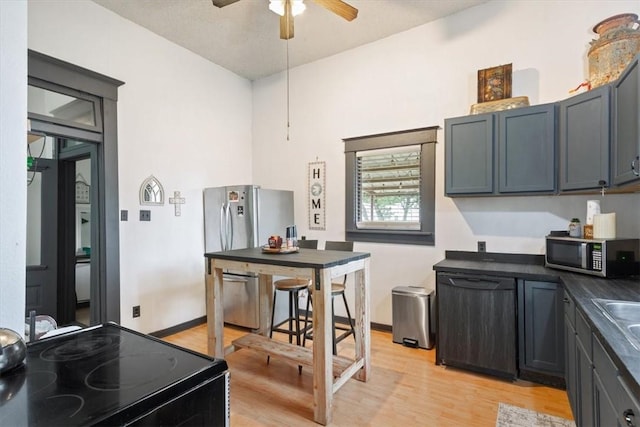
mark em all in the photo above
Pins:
pixel 494 83
pixel 281 250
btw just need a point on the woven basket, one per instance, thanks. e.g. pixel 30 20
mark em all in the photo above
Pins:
pixel 499 105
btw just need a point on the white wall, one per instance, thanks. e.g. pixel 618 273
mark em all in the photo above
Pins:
pixel 181 118
pixel 13 172
pixel 417 79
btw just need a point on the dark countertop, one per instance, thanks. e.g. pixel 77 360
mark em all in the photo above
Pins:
pixel 581 287
pixel 305 258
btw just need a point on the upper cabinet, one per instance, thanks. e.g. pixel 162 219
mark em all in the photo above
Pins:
pixel 513 152
pixel 507 152
pixel 469 154
pixel 625 123
pixel 584 140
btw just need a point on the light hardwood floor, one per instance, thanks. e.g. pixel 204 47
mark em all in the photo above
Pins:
pixel 406 389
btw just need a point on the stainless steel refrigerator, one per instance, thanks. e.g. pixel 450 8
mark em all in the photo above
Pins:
pixel 244 216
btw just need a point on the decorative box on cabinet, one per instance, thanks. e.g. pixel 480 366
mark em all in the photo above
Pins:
pixel 584 138
pixel 508 152
pixel 626 125
pixel 541 332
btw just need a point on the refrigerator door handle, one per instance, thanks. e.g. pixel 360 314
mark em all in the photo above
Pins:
pixel 222 231
pixel 228 228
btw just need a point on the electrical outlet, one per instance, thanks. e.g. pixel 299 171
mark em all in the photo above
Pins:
pixel 136 311
pixel 145 215
pixel 124 215
pixel 482 246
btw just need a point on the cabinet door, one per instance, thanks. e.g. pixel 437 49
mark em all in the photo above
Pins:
pixel 604 410
pixel 541 309
pixel 584 385
pixel 571 368
pixel 527 147
pixel 584 140
pixel 469 155
pixel 626 123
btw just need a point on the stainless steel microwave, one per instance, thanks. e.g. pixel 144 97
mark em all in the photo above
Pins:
pixel 598 257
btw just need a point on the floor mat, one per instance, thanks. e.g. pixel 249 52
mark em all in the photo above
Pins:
pixel 513 416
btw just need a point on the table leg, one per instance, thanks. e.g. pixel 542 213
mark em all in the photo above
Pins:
pixel 214 310
pixel 363 323
pixel 322 348
pixel 265 284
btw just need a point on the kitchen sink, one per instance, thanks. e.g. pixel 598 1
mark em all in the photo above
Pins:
pixel 625 315
pixel 626 311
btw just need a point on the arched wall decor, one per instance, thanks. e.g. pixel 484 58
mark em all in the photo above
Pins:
pixel 151 192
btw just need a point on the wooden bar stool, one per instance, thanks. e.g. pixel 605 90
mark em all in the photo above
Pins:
pixel 337 289
pixel 292 286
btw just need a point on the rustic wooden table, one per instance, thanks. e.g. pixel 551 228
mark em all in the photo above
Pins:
pixel 329 372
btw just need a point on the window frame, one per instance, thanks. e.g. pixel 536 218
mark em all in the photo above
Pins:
pixel 427 139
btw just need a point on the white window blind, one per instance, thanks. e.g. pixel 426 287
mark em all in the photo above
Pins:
pixel 388 188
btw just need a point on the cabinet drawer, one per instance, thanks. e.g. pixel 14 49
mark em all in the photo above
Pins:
pixel 584 334
pixel 570 309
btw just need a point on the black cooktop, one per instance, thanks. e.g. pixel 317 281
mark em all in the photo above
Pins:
pixel 100 375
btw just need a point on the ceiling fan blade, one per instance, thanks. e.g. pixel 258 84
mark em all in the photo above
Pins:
pixel 286 22
pixel 340 8
pixel 223 3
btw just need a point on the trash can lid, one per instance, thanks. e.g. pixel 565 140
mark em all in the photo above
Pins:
pixel 411 290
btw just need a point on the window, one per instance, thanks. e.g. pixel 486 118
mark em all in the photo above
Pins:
pixel 390 194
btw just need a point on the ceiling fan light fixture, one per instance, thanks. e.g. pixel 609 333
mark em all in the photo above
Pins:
pixel 277 6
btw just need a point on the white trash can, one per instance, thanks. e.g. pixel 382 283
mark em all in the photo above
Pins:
pixel 413 316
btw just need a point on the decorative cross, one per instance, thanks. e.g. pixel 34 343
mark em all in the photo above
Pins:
pixel 176 201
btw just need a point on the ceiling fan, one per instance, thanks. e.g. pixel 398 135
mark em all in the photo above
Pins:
pixel 287 12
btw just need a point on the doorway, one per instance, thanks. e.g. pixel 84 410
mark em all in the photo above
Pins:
pixel 75 206
pixel 61 264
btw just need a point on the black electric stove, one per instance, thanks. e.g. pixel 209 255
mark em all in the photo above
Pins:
pixel 110 375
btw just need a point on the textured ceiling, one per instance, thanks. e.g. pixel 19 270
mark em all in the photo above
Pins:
pixel 244 37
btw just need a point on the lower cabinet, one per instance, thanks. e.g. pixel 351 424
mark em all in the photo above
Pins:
pixel 598 395
pixel 541 332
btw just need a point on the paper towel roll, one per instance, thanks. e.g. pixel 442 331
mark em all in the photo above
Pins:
pixel 604 226
pixel 593 208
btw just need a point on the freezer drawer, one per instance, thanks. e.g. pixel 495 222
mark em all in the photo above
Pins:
pixel 241 301
pixel 412 316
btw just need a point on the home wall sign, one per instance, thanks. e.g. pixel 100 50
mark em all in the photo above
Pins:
pixel 316 189
pixel 83 190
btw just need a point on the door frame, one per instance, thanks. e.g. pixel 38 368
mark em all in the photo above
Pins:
pixel 43 68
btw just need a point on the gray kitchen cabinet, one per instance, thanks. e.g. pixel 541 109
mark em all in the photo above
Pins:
pixel 584 139
pixel 598 394
pixel 626 125
pixel 570 354
pixel 584 371
pixel 527 149
pixel 502 153
pixel 578 364
pixel 469 154
pixel 541 331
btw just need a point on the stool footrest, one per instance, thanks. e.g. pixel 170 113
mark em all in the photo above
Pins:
pixel 292 353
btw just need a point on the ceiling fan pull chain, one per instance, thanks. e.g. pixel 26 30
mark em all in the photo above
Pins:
pixel 288 90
